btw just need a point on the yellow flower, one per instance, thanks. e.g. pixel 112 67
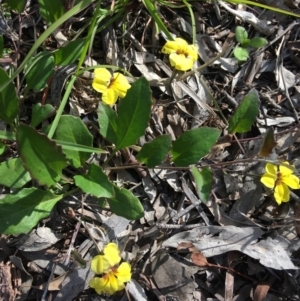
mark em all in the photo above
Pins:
pixel 182 56
pixel 111 86
pixel 113 276
pixel 280 178
pixel 113 281
pixel 102 263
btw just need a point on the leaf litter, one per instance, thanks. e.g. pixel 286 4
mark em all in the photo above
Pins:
pixel 234 247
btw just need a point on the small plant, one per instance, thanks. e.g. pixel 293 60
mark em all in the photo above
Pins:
pixel 242 53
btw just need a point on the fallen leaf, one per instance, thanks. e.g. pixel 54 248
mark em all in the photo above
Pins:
pixel 199 259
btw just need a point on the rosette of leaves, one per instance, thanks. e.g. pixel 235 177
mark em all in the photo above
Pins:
pixel 241 53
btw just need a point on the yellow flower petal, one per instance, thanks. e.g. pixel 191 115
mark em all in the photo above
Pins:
pixel 101 80
pixel 112 250
pixel 180 62
pixel 286 170
pixel 123 272
pixel 292 181
pixel 181 42
pixel 193 52
pixel 268 180
pixel 100 265
pixel 103 263
pixel 281 193
pixel 120 84
pixel 94 283
pixel 271 169
pixel 174 46
pixel 110 96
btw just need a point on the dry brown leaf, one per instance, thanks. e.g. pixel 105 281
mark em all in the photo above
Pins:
pixel 54 285
pixel 199 259
pixel 186 245
pixel 268 143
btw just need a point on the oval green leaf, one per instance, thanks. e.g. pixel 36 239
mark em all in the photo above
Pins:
pixel 95 182
pixel 22 210
pixel 203 180
pixel 154 152
pixel 38 71
pixel 126 204
pixel 241 54
pixel 72 129
pixel 245 114
pixel 192 145
pixel 258 42
pixel 13 174
pixel 40 113
pixel 41 156
pixel 241 34
pixel 107 119
pixel 9 103
pixel 133 114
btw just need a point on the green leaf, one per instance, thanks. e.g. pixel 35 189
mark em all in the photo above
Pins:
pixel 107 119
pixel 68 54
pixel 192 145
pixel 40 113
pixel 1 45
pixel 17 5
pixel 95 182
pixel 241 54
pixel 258 42
pixel 245 114
pixel 13 174
pixel 133 114
pixel 154 152
pixel 38 71
pixel 22 210
pixel 126 204
pixel 203 180
pixel 51 10
pixel 241 34
pixel 9 103
pixel 72 129
pixel 41 156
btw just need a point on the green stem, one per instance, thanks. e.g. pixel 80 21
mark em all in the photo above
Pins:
pixel 154 14
pixel 192 19
pixel 61 107
pixel 88 38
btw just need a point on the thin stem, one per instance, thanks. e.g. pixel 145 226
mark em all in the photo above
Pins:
pixel 89 37
pixel 192 19
pixel 213 99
